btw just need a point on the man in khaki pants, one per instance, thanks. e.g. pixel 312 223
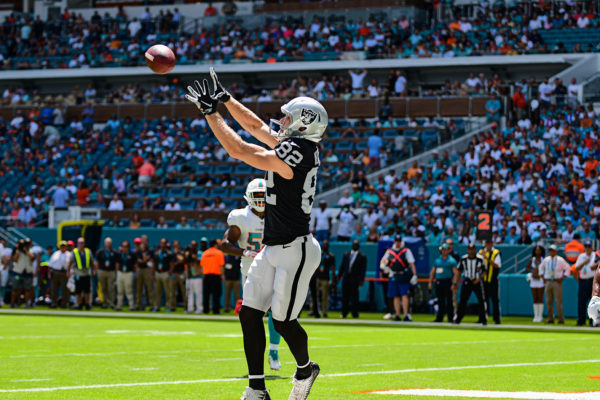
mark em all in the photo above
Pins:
pixel 125 269
pixel 163 257
pixel 106 264
pixel 178 272
pixel 554 269
pixel 325 277
pixel 145 274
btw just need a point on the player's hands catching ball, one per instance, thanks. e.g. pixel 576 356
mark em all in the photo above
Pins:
pixel 220 93
pixel 594 308
pixel 250 253
pixel 200 95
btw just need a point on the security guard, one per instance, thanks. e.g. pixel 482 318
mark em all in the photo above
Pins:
pixel 107 266
pixel 586 263
pixel 82 266
pixel 442 273
pixel 471 267
pixel 163 257
pixel 491 288
pixel 126 267
pixel 145 272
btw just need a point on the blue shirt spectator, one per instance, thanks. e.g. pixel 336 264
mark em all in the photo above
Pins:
pixel 60 197
pixel 88 116
pixel 374 143
pixel 46 114
pixel 492 108
pixel 443 267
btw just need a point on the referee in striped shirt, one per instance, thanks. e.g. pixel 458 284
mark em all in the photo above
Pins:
pixel 471 267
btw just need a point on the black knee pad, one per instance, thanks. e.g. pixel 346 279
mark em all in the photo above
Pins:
pixel 250 314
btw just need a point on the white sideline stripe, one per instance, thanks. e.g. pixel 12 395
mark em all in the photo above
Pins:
pixel 492 394
pixel 405 371
pixel 399 371
pixel 32 380
pixel 116 353
pixel 144 369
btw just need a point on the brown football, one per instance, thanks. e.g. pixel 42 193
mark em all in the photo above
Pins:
pixel 160 59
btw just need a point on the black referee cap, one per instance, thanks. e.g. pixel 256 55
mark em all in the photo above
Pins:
pixel 471 245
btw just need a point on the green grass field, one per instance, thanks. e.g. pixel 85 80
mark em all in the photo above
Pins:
pixel 64 357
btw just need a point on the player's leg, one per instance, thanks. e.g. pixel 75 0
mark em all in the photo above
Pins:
pixel 296 265
pixel 258 292
pixel 274 340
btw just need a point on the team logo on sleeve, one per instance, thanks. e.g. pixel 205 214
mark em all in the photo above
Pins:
pixel 307 116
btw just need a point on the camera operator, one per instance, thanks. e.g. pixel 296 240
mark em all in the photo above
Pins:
pixel 22 274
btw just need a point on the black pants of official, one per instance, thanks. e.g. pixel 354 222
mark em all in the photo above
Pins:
pixel 443 290
pixel 467 288
pixel 211 286
pixel 584 294
pixel 350 299
pixel 491 292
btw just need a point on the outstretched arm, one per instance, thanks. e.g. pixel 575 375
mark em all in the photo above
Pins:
pixel 251 154
pixel 596 285
pixel 246 118
pixel 229 243
pixel 251 122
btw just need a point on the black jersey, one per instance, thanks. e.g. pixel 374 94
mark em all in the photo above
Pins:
pixel 289 201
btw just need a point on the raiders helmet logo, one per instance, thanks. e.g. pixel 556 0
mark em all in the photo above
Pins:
pixel 307 116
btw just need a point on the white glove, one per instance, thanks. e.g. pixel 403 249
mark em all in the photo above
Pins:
pixel 414 280
pixel 385 269
pixel 594 308
pixel 250 253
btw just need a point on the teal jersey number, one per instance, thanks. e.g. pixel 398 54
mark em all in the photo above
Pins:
pixel 254 241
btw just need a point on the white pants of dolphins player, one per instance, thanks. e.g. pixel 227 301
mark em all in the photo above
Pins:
pixel 279 277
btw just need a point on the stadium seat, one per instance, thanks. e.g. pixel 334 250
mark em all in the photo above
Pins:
pixel 198 192
pixel 147 223
pixel 187 204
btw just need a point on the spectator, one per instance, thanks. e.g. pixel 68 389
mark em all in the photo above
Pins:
pixel 374 143
pixel 146 173
pixel 60 197
pixel 162 277
pixel 106 267
pixel 210 10
pixel 352 274
pixel 135 222
pixel 116 204
pixel 172 205
pixel 322 223
pixel 145 273
pixel 59 266
pixel 519 103
pixel 162 224
pixel 229 8
pixel 554 269
pixel 573 93
pixel 183 224
pixel 212 262
pixel 358 78
pixel 400 84
pixel 83 194
pixel 346 220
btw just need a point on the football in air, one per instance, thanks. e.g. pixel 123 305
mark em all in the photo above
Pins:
pixel 160 59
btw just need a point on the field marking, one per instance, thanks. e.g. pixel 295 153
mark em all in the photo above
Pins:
pixel 345 374
pixel 144 369
pixel 370 365
pixel 32 380
pixel 149 333
pixel 116 353
pixel 489 394
pixel 228 359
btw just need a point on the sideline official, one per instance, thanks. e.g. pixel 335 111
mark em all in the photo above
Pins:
pixel 107 261
pixel 491 288
pixel 59 266
pixel 442 274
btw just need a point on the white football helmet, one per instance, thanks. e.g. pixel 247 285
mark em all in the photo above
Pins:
pixel 256 193
pixel 304 117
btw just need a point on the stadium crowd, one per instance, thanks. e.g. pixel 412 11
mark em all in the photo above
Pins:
pixel 70 41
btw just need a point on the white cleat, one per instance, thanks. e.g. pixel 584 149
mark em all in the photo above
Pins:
pixel 275 364
pixel 253 394
pixel 302 387
pixel 388 316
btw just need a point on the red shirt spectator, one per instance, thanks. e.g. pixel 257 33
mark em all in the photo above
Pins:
pixel 210 11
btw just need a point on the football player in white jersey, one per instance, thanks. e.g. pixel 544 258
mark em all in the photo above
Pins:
pixel 280 273
pixel 244 239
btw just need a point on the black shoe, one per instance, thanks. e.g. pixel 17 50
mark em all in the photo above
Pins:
pixel 317 316
pixel 118 309
pixel 438 320
pixel 88 307
pixel 104 306
pixel 484 323
pixel 324 315
pixel 53 306
pixel 397 318
pixel 407 318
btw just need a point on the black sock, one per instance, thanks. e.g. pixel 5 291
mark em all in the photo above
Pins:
pixel 254 345
pixel 297 339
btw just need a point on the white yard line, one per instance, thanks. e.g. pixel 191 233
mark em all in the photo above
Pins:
pixel 144 369
pixel 363 373
pixel 491 394
pixel 31 380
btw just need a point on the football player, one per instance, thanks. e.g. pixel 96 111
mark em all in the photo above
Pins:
pixel 280 273
pixel 594 304
pixel 244 239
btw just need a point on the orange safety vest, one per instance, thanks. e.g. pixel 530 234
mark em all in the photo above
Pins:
pixel 573 249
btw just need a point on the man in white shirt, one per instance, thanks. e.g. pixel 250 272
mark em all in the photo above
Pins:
pixel 370 218
pixel 346 220
pixel 572 93
pixel 545 89
pixel 59 267
pixel 400 84
pixel 567 235
pixel 472 81
pixel 172 205
pixel 586 264
pixel 322 225
pixel 345 200
pixel 116 204
pixel 553 270
pixel 358 78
